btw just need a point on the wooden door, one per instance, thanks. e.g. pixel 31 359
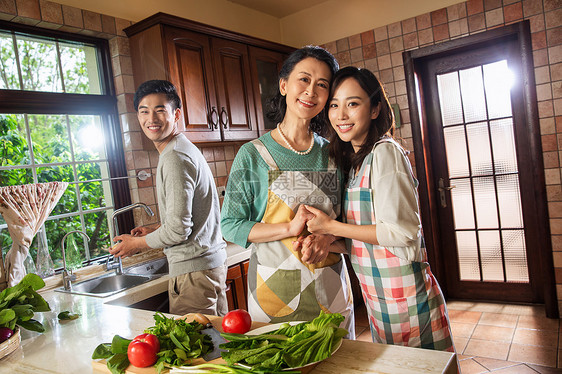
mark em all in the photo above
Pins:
pixel 237 114
pixel 481 186
pixel 191 71
pixel 486 193
pixel 265 65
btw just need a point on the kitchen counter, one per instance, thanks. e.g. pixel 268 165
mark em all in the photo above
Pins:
pixel 67 346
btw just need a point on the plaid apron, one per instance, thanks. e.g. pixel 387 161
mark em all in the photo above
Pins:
pixel 281 287
pixel 403 299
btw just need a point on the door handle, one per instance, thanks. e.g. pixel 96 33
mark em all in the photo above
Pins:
pixel 441 188
pixel 225 121
pixel 214 118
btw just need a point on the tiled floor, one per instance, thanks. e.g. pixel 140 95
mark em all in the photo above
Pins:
pixel 498 338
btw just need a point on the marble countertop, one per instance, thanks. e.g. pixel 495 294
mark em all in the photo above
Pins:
pixel 67 346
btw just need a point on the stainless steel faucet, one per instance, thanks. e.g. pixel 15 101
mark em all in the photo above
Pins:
pixel 67 276
pixel 118 265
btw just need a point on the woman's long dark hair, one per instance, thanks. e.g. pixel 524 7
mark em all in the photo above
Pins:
pixel 277 105
pixel 342 152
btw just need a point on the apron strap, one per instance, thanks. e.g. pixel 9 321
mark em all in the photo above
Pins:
pixel 264 153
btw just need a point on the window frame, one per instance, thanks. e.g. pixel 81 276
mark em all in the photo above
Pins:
pixel 105 106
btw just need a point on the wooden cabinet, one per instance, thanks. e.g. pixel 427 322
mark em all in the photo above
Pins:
pixel 218 74
pixel 236 287
pixel 265 66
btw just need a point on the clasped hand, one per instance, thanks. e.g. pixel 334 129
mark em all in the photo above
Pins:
pixel 314 248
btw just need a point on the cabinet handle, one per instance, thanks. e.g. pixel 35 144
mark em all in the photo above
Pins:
pixel 214 118
pixel 224 122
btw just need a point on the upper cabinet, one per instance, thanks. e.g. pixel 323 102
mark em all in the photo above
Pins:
pixel 223 78
pixel 265 65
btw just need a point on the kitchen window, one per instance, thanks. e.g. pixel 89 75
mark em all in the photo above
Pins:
pixel 58 122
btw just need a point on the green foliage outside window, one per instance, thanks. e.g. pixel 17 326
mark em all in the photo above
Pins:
pixel 15 151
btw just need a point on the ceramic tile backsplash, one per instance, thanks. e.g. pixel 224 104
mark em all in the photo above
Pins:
pixel 72 17
pixel 51 12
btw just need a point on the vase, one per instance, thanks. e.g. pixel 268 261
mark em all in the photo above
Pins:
pixel 45 265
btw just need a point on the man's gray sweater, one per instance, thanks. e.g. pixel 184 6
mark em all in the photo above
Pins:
pixel 189 210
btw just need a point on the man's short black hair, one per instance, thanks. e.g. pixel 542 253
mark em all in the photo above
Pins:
pixel 156 87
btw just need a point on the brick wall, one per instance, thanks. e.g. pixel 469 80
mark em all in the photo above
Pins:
pixel 380 50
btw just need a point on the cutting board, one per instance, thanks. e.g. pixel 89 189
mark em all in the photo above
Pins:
pixel 100 366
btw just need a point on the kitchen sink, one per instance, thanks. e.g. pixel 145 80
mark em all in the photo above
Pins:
pixel 112 283
pixel 155 267
pixel 108 284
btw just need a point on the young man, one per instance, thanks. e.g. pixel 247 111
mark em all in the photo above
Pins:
pixel 189 209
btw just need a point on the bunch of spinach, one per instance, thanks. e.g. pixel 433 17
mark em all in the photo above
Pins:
pixel 20 302
pixel 180 341
pixel 287 347
pixel 115 353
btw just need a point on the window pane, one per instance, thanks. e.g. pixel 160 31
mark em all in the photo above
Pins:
pixel 457 155
pixel 49 135
pixel 515 256
pixel 92 194
pixel 98 230
pixel 39 64
pixel 450 98
pixel 468 255
pixel 88 171
pixel 87 139
pixel 461 198
pixel 473 99
pixel 503 144
pixel 14 149
pixel 5 238
pixel 509 197
pixel 8 65
pixel 485 203
pixel 490 251
pixel 479 147
pixel 497 80
pixel 14 177
pixel 80 68
pixel 67 203
pixel 62 173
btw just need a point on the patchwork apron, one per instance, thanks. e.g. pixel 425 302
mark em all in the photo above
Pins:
pixel 281 287
pixel 404 302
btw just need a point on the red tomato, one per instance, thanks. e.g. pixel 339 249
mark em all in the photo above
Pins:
pixel 143 349
pixel 237 321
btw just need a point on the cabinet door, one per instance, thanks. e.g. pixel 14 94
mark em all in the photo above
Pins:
pixel 245 265
pixel 191 71
pixel 235 288
pixel 265 66
pixel 237 115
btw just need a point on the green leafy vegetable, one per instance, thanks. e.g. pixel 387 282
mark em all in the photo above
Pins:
pixel 115 353
pixel 102 351
pixel 224 369
pixel 66 315
pixel 287 347
pixel 180 341
pixel 20 302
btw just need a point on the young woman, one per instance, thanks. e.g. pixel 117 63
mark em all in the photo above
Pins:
pixel 270 180
pixel 381 217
